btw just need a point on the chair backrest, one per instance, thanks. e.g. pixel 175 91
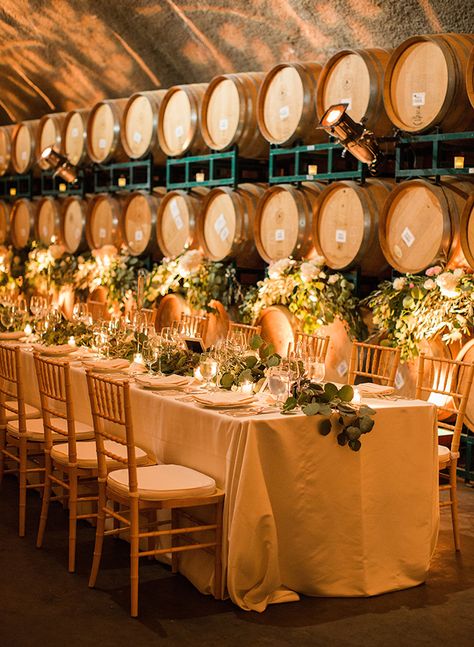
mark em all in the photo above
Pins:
pixel 196 325
pixel 446 377
pixel 375 362
pixel 245 331
pixel 97 310
pixel 11 386
pixel 112 417
pixel 312 345
pixel 54 384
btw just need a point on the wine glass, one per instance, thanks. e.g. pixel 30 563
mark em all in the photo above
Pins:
pixel 279 383
pixel 7 317
pixel 208 368
pixel 150 353
pixel 315 369
pixel 80 313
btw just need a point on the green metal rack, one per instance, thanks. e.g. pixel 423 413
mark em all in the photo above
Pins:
pixel 326 161
pixel 13 187
pixel 434 154
pixel 134 175
pixel 55 186
pixel 466 471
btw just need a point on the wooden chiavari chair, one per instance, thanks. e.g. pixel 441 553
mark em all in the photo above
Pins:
pixel 146 489
pixel 97 310
pixel 245 331
pixel 311 345
pixel 21 429
pixel 452 378
pixel 196 325
pixel 374 362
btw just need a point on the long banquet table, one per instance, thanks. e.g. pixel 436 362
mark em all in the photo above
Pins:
pixel 302 514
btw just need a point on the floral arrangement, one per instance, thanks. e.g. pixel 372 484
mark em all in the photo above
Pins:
pixel 116 271
pixel 198 279
pixel 416 307
pixel 315 296
pixel 239 369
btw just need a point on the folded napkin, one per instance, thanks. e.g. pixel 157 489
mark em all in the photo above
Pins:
pixel 60 349
pixel 162 381
pixel 368 388
pixel 223 398
pixel 106 364
pixel 12 334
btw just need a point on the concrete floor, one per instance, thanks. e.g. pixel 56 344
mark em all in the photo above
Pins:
pixel 42 605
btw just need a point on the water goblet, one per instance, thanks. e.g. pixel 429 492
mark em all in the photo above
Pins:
pixel 315 369
pixel 149 353
pixel 208 367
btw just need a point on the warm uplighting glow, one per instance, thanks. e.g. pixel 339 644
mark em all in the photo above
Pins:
pixel 71 341
pixel 459 162
pixel 353 136
pixel 247 387
pixel 59 165
pixel 28 330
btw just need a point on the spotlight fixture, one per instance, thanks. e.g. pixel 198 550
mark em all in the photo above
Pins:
pixel 353 136
pixel 59 165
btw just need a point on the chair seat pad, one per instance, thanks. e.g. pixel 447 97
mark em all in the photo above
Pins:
pixel 30 411
pixel 35 429
pixel 87 454
pixel 444 454
pixel 157 482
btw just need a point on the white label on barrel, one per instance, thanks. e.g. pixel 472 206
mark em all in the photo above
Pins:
pixel 418 99
pixel 471 170
pixel 224 234
pixel 279 234
pixel 348 101
pixel 23 155
pixel 341 235
pixel 45 231
pixel 178 221
pixel 220 223
pixel 102 233
pixel 342 368
pixel 174 208
pixel 223 124
pixel 139 235
pixel 399 381
pixel 407 237
pixel 284 112
pixel 311 147
pixel 77 232
pixel 178 131
pixel 137 137
pixel 397 251
pixel 22 231
pixel 74 132
pixel 102 143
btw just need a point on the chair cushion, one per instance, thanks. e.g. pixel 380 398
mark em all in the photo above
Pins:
pixel 444 455
pixel 157 482
pixel 30 411
pixel 87 454
pixel 35 430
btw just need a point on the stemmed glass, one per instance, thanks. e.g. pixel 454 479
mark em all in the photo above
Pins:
pixel 279 383
pixel 80 313
pixel 315 369
pixel 150 351
pixel 208 367
pixel 7 317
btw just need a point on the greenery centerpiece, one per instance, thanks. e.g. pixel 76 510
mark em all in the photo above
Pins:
pixel 313 294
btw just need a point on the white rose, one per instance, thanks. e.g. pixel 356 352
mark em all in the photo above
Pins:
pixel 399 283
pixel 189 262
pixel 276 269
pixel 458 272
pixel 334 278
pixel 318 260
pixel 447 284
pixel 429 284
pixel 308 271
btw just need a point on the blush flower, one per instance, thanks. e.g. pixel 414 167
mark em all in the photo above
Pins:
pixel 433 271
pixel 447 284
pixel 399 283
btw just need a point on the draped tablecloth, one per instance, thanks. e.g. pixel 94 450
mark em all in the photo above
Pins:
pixel 302 514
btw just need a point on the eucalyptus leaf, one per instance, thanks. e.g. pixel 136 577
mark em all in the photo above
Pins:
pixel 311 409
pixel 342 439
pixel 355 445
pixel 250 361
pixel 273 360
pixel 346 393
pixel 290 404
pixel 353 433
pixel 365 410
pixel 255 342
pixel 366 424
pixel 227 380
pixel 324 426
pixel 331 390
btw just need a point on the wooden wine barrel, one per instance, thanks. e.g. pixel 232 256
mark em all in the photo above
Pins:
pixel 355 77
pixel 6 134
pixel 179 120
pixel 278 327
pixel 420 224
pixel 48 219
pixel 286 109
pixel 23 146
pixel 470 78
pixel 4 222
pixel 425 83
pixel 345 229
pixel 138 223
pixel 339 350
pixel 283 221
pixel 225 225
pixel 103 131
pixel 49 134
pixel 176 227
pixel 217 323
pixel 74 137
pixel 140 126
pixel 72 230
pixel 169 309
pixel 467 230
pixel 22 220
pixel 466 354
pixel 229 114
pixel 103 221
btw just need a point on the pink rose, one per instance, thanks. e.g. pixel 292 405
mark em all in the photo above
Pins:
pixel 412 285
pixel 434 271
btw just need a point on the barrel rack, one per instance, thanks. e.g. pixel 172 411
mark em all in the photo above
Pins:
pixel 13 187
pixel 466 471
pixel 55 186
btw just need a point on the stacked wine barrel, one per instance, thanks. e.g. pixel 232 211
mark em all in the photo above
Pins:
pixel 424 84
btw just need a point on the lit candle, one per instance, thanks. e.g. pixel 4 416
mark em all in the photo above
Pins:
pixel 200 177
pixel 138 359
pixel 246 387
pixel 312 169
pixel 459 162
pixel 357 398
pixel 198 374
pixel 71 341
pixel 28 330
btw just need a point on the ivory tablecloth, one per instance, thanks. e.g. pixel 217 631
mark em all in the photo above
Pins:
pixel 302 514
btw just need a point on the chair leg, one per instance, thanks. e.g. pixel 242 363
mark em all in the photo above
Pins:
pixel 3 442
pixel 454 504
pixel 99 534
pixel 174 541
pixel 72 518
pixel 134 557
pixel 22 485
pixel 218 552
pixel 151 543
pixel 45 503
